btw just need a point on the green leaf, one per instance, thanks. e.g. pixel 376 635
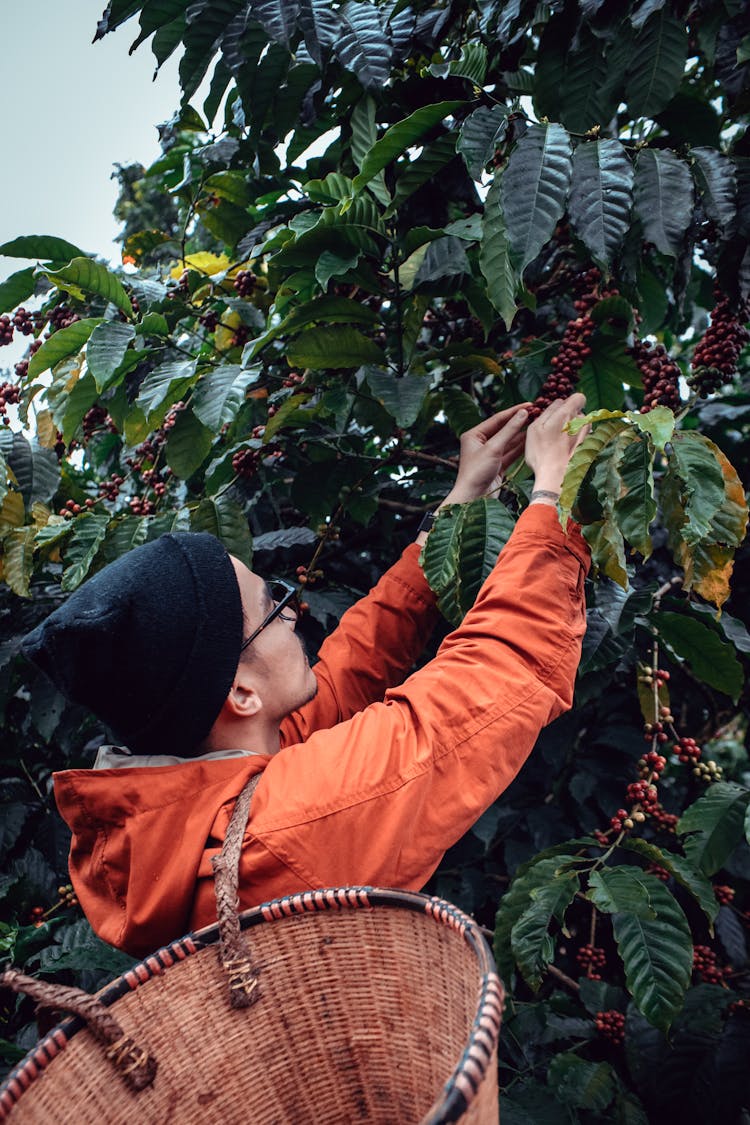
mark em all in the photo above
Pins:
pixel 681 870
pixel 711 659
pixel 515 901
pixel 425 169
pixel 35 468
pixel 663 197
pixel 106 349
pixel 92 277
pixel 531 943
pixel 362 45
pixel 401 397
pixel 331 310
pixel 404 134
pixel 659 422
pixel 80 948
pixel 472 65
pixel 64 343
pixel 534 190
pixel 75 405
pixel 653 939
pixel 717 185
pixel 43 247
pixel 331 265
pixel 701 483
pixel 17 288
pixel 714 825
pixel 364 136
pixel 18 559
pixel 188 444
pixel 604 372
pixel 461 550
pixel 634 508
pixel 582 461
pixel 582 1084
pixel 494 254
pixel 332 348
pixel 601 197
pixel 656 65
pixel 480 134
pixel 164 385
pixel 82 547
pixel 607 550
pixel 219 394
pixel 226 520
pixel 290 413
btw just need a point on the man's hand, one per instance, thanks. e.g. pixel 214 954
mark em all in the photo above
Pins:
pixel 486 452
pixel 549 447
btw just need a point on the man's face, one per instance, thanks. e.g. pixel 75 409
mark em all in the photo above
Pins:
pixel 285 678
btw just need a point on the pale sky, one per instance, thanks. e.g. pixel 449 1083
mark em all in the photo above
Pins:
pixel 73 110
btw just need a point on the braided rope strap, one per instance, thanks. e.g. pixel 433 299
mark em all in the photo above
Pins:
pixel 234 949
pixel 136 1066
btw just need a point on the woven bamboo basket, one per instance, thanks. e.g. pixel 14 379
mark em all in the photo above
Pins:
pixel 342 1005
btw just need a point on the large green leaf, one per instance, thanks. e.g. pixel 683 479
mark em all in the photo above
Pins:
pixel 710 658
pixel 363 46
pixel 479 135
pixel 43 247
pixel 604 372
pixel 582 461
pixel 206 23
pixel 64 343
pixel 277 17
pixel 35 468
pixel 401 396
pixel 717 185
pixel 226 520
pixel 188 444
pixel 515 901
pixel 494 253
pixel 364 136
pixel 404 134
pixel 82 547
pixel 656 65
pixel 472 65
pixel 531 942
pixel 534 190
pixel 91 277
pixel 653 939
pixel 423 170
pixel 461 550
pixel 17 288
pixel 601 196
pixel 18 559
pixel 332 348
pixel 219 394
pixel 165 384
pixel 701 483
pixel 663 198
pixel 607 550
pixel 106 349
pixel 588 94
pixel 634 508
pixel 582 1084
pixel 680 869
pixel 714 825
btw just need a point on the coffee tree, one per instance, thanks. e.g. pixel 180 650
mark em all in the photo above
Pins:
pixel 386 220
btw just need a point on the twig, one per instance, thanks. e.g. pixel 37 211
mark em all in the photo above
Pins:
pixel 429 458
pixel 563 977
pixel 400 506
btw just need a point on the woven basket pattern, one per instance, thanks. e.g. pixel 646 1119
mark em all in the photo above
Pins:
pixel 369 1014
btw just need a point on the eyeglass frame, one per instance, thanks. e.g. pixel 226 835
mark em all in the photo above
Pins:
pixel 291 596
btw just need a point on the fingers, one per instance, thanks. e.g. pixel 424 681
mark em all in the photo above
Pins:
pixel 514 415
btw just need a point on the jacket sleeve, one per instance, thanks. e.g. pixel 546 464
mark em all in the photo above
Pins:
pixel 374 646
pixel 396 785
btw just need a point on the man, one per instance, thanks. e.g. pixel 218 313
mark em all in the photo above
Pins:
pixel 366 780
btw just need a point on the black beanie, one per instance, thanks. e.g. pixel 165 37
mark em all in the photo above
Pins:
pixel 150 644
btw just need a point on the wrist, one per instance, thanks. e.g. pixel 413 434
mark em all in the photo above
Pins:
pixel 545 496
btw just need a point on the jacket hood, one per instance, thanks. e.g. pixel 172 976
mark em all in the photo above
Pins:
pixel 139 836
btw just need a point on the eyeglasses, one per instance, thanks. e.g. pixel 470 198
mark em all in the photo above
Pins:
pixel 284 596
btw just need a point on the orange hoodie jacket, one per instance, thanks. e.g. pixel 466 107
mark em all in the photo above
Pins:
pixel 374 781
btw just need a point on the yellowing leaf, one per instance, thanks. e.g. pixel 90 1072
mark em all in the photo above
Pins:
pixel 11 512
pixel 46 430
pixel 202 262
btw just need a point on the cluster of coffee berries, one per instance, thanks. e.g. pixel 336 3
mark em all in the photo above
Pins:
pixel 246 462
pixel 656 731
pixel 244 282
pixel 21 368
pixel 688 751
pixel 97 418
pixel 240 337
pixel 724 895
pixel 172 415
pixel 210 321
pixel 704 964
pixel 659 872
pixel 71 508
pixel 611 1025
pixel 622 820
pixel 307 577
pixel 643 794
pixel 661 376
pixel 707 772
pixel 663 819
pixel 36 916
pixel 6 330
pixel 23 322
pixel 591 958
pixel 154 480
pixel 183 285
pixel 62 316
pixel 715 357
pixel 139 506
pixel 651 763
pixel 110 489
pixel 293 379
pixel 67 895
pixel 10 394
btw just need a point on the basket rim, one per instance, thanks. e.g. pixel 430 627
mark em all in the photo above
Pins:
pixel 465 1080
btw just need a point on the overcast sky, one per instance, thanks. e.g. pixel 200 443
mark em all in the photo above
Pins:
pixel 73 109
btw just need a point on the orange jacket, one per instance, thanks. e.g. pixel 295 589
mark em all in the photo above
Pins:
pixel 361 792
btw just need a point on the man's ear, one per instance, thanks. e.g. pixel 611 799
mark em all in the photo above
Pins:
pixel 243 700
